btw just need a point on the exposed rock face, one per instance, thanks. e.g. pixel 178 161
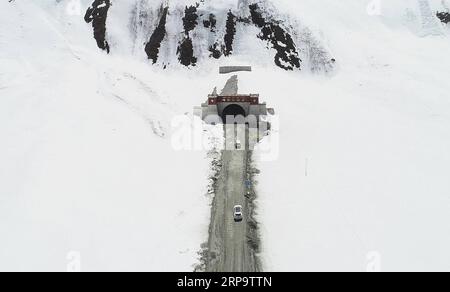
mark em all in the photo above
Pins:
pixel 185 49
pixel 186 53
pixel 210 22
pixel 153 46
pixel 287 55
pixel 444 17
pixel 216 51
pixel 170 32
pixel 190 19
pixel 230 33
pixel 97 14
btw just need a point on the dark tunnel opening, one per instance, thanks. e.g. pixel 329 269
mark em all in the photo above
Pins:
pixel 234 111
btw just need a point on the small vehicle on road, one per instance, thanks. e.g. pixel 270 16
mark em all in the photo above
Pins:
pixel 238 144
pixel 237 213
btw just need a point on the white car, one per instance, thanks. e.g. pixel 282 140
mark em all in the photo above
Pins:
pixel 237 213
pixel 238 144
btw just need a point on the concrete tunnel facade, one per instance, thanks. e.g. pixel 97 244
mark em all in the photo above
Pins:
pixel 240 108
pixel 234 106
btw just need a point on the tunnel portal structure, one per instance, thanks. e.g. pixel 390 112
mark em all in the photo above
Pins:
pixel 236 105
pixel 229 107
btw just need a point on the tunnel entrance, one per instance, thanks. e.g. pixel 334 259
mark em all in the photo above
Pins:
pixel 233 110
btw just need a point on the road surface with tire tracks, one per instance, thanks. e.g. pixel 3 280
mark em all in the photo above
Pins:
pixel 230 247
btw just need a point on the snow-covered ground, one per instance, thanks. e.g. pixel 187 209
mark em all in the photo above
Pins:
pixel 362 178
pixel 87 163
pixel 84 167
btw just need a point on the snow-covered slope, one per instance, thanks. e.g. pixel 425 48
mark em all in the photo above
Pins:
pixel 362 176
pixel 87 163
pixel 192 33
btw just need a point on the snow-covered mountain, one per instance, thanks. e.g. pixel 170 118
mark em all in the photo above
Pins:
pixel 189 32
pixel 88 90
